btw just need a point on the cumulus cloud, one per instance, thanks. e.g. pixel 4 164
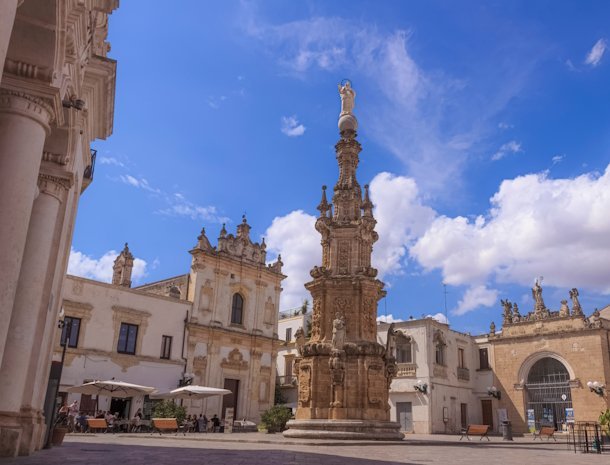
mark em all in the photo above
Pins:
pixel 294 236
pixel 291 127
pixel 506 149
pixel 401 219
pixel 596 53
pixel 100 269
pixel 536 226
pixel 440 317
pixel 475 297
pixel 388 319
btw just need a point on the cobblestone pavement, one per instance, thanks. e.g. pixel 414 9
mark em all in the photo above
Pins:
pixel 253 449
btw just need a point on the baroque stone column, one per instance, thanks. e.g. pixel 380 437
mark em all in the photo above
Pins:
pixel 24 125
pixel 23 346
pixel 8 8
pixel 344 374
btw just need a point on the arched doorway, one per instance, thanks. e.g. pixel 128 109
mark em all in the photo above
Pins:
pixel 548 392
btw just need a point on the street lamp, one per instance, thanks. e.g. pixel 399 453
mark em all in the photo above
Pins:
pixel 494 392
pixel 421 386
pixel 596 387
pixel 63 341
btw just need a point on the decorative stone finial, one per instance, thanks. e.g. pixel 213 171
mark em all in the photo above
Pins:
pixel 492 329
pixel 122 268
pixel 223 231
pixel 367 205
pixel 324 206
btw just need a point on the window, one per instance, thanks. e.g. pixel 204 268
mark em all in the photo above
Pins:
pixel 288 361
pixel 73 325
pixel 128 335
pixel 403 351
pixel 288 334
pixel 461 358
pixel 483 359
pixel 237 310
pixel 166 347
pixel 440 354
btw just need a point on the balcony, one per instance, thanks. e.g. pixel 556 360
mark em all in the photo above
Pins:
pixel 406 370
pixel 89 169
pixel 463 374
pixel 286 381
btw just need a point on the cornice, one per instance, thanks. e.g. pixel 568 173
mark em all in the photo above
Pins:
pixel 53 185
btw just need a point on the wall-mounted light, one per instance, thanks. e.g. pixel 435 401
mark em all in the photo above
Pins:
pixel 596 387
pixel 421 386
pixel 494 392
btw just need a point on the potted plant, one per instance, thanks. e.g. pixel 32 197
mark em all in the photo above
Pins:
pixel 59 430
pixel 274 419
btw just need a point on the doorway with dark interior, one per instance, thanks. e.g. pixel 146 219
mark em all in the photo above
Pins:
pixel 230 400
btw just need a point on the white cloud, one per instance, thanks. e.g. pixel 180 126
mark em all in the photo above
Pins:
pixel 295 237
pixel 475 297
pixel 100 269
pixel 596 53
pixel 506 149
pixel 440 317
pixel 423 117
pixel 180 206
pixel 291 127
pixel 140 183
pixel 401 219
pixel 557 159
pixel 111 161
pixel 503 125
pixel 388 319
pixel 558 228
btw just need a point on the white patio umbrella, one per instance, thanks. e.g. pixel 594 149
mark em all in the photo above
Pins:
pixel 197 392
pixel 111 388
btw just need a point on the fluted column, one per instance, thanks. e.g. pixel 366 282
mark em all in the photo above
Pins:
pixel 29 310
pixel 23 127
pixel 8 9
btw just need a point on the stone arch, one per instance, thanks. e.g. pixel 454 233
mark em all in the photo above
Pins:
pixel 529 362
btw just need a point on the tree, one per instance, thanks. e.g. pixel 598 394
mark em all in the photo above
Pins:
pixel 168 409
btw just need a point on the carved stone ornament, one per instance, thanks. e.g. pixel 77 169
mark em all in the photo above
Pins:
pixel 235 361
pixel 377 388
pixel 304 383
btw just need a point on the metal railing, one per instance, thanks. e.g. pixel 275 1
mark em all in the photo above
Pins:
pixel 88 174
pixel 463 373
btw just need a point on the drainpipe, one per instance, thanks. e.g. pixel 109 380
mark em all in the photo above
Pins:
pixel 186 319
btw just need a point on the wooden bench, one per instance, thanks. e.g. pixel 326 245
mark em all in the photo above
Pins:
pixel 96 423
pixel 475 430
pixel 547 431
pixel 166 424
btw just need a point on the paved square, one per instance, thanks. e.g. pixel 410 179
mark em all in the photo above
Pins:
pixel 251 449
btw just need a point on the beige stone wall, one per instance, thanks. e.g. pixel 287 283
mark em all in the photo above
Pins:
pixel 583 351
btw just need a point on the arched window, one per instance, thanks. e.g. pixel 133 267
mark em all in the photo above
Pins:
pixel 237 310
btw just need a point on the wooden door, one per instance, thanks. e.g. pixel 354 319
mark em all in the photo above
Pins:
pixel 230 400
pixel 488 413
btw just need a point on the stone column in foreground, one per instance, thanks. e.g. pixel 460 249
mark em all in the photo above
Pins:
pixel 344 374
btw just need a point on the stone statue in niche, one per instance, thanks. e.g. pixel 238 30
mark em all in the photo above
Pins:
pixel 299 336
pixel 390 349
pixel 338 332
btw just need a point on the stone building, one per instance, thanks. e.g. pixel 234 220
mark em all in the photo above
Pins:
pixel 214 326
pixel 56 96
pixel 442 378
pixel 546 363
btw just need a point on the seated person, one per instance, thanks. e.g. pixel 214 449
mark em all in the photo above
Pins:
pixel 81 422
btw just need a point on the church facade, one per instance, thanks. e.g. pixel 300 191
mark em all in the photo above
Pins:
pixel 214 326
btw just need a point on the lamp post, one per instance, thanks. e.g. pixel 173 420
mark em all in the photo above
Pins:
pixel 61 324
pixel 596 387
pixel 494 392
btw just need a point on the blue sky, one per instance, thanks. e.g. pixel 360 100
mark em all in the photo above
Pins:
pixel 485 129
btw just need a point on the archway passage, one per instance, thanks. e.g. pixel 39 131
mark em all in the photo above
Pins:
pixel 548 392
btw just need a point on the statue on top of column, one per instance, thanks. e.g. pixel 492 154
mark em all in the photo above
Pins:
pixel 348 95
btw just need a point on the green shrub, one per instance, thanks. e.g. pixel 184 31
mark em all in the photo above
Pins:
pixel 604 420
pixel 275 418
pixel 168 409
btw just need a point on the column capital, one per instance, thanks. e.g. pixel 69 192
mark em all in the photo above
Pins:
pixel 53 185
pixel 13 101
